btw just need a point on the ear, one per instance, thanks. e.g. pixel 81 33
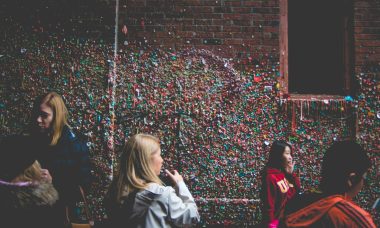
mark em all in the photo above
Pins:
pixel 353 179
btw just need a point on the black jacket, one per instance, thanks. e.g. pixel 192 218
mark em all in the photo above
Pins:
pixel 68 163
pixel 28 205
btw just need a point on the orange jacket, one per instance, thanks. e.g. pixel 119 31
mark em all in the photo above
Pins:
pixel 331 211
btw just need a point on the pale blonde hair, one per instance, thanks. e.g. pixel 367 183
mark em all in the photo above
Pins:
pixel 32 173
pixel 135 169
pixel 55 102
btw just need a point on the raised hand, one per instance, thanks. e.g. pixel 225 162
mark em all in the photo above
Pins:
pixel 46 175
pixel 290 167
pixel 175 177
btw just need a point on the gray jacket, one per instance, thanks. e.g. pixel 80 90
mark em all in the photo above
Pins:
pixel 159 206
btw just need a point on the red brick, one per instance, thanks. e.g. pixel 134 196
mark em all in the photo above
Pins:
pixel 242 22
pixel 203 9
pixel 212 2
pixel 223 35
pixel 207 15
pixel 270 3
pixel 369 43
pixel 241 9
pixel 223 9
pixel 367 36
pixel 231 28
pixel 221 22
pixel 203 22
pixel 253 3
pixel 191 2
pixel 367 23
pixel 211 28
pixel 233 3
pixel 203 34
pixel 231 16
pixel 186 34
pixel 233 41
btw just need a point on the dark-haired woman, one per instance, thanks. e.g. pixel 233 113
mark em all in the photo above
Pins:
pixel 279 183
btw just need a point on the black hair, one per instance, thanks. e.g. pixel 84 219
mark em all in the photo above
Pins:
pixel 276 152
pixel 275 160
pixel 341 159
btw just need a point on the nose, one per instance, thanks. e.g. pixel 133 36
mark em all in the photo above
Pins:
pixel 39 119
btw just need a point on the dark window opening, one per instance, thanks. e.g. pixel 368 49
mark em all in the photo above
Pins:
pixel 319 46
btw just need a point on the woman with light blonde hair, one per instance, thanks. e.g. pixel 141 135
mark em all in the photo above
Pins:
pixel 64 153
pixel 138 198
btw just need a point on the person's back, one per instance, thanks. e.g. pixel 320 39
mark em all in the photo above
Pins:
pixel 344 169
pixel 318 210
pixel 150 208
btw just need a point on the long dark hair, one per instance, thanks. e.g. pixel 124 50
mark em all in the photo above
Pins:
pixel 275 160
pixel 276 152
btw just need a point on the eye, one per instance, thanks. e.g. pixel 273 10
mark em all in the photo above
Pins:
pixel 44 114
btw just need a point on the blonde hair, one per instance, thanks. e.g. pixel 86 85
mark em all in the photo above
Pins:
pixel 135 169
pixel 32 173
pixel 55 102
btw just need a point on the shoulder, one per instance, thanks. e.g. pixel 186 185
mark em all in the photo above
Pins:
pixel 346 210
pixel 301 201
pixel 73 135
pixel 74 138
pixel 274 174
pixel 159 189
pixel 273 171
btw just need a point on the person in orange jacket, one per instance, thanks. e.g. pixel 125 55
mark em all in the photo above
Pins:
pixel 344 170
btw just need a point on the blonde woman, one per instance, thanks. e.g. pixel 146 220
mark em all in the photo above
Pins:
pixel 63 152
pixel 27 196
pixel 137 196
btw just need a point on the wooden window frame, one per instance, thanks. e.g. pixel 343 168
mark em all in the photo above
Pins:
pixel 348 55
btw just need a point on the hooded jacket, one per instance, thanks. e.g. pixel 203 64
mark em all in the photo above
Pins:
pixel 156 206
pixel 277 191
pixel 28 205
pixel 331 211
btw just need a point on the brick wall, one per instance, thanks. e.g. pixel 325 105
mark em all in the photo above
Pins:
pixel 247 32
pixel 367 33
pixel 225 27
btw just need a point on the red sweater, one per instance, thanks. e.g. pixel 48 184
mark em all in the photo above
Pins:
pixel 278 192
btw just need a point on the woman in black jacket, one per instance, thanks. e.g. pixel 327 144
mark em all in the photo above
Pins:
pixel 61 151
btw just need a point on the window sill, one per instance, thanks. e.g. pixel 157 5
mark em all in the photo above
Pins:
pixel 313 97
